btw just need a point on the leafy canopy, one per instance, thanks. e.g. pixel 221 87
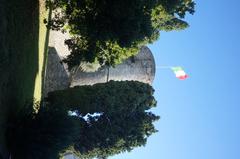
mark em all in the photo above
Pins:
pixel 109 31
pixel 123 124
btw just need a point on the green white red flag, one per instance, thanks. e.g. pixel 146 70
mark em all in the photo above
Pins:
pixel 180 73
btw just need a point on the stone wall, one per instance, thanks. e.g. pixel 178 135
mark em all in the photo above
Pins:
pixel 56 75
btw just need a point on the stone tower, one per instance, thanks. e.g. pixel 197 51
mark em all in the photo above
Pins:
pixel 138 68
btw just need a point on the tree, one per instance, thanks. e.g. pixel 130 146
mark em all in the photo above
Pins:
pixel 113 96
pixel 112 134
pixel 110 31
pixel 102 53
pixel 169 14
pixel 121 21
pixel 123 123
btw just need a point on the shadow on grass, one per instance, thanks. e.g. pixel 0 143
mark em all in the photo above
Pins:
pixel 19 32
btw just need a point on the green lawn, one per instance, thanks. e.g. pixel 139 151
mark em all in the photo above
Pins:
pixel 23 48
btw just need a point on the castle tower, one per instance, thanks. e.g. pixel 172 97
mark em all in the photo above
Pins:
pixel 138 68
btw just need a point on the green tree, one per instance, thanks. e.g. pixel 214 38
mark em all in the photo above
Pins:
pixel 123 123
pixel 114 133
pixel 169 14
pixel 121 21
pixel 103 53
pixel 113 96
pixel 110 31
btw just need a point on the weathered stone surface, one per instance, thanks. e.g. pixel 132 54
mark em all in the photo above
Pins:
pixel 139 68
pixel 56 75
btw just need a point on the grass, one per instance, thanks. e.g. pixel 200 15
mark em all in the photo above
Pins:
pixel 42 38
pixel 43 50
pixel 23 43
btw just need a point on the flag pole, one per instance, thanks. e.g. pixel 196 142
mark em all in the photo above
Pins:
pixel 164 67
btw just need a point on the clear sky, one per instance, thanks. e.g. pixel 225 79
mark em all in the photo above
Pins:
pixel 200 117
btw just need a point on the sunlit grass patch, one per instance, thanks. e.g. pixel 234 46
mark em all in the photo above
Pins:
pixel 42 52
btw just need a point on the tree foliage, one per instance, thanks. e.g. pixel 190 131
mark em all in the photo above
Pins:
pixel 114 96
pixel 112 134
pixel 104 53
pixel 109 31
pixel 123 124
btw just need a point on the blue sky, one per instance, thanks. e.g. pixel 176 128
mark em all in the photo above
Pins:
pixel 200 117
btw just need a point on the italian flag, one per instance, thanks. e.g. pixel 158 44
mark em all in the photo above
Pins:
pixel 179 72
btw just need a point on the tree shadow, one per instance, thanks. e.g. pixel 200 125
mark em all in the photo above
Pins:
pixel 19 28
